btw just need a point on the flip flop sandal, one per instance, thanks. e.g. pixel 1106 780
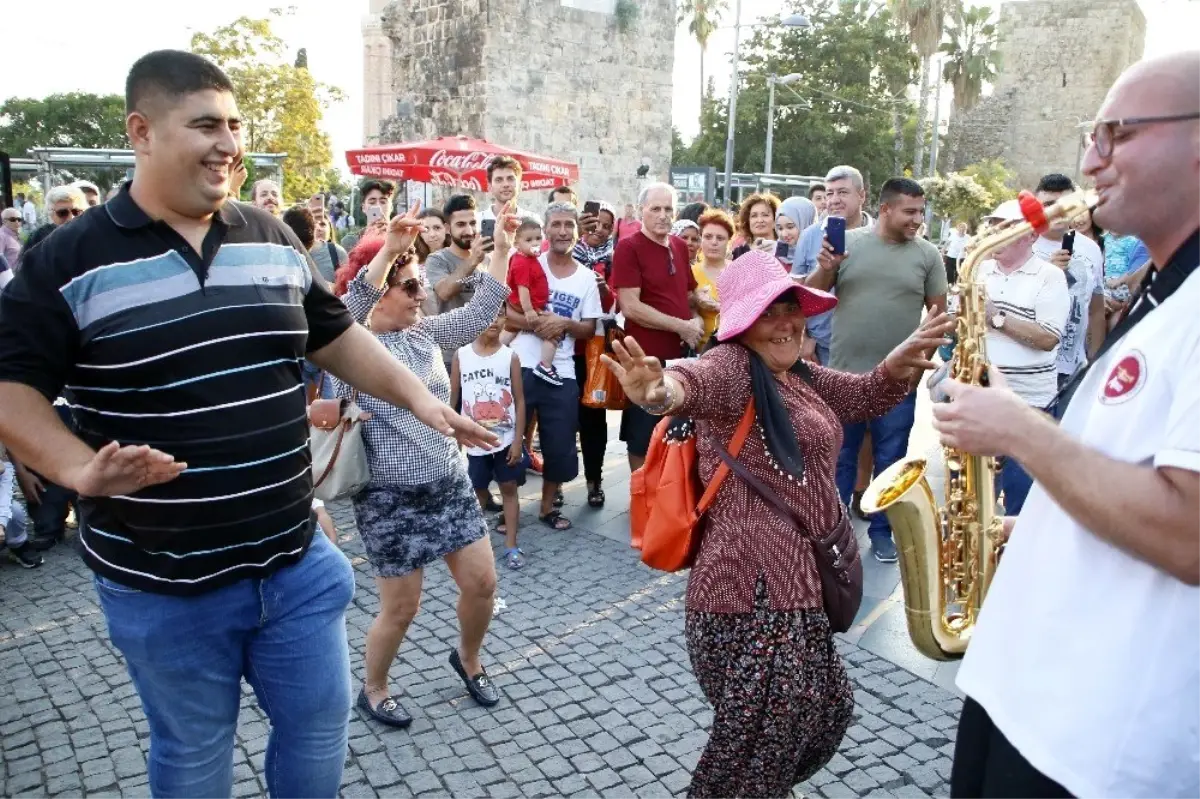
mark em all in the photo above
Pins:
pixel 596 498
pixel 388 711
pixel 500 527
pixel 556 521
pixel 514 558
pixel 492 505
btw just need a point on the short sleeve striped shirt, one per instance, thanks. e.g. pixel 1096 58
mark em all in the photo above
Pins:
pixel 196 354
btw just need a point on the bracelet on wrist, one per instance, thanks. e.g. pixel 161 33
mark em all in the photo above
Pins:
pixel 661 408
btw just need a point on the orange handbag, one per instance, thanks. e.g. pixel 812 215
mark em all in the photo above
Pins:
pixel 664 511
pixel 601 388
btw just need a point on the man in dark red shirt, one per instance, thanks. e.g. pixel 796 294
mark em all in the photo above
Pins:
pixel 656 290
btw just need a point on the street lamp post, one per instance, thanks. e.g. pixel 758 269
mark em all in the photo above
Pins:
pixel 772 79
pixel 794 21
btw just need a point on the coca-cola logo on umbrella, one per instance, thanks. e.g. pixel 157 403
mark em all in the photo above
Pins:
pixel 461 162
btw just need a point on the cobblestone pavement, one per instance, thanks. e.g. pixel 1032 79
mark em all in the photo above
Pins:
pixel 588 650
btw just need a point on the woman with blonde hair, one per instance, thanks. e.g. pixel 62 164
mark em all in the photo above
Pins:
pixel 756 223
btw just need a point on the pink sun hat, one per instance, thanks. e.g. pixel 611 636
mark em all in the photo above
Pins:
pixel 751 283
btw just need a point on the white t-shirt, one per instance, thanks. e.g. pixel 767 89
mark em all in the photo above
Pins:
pixel 955 244
pixel 485 383
pixel 1084 656
pixel 1085 278
pixel 575 297
pixel 1037 292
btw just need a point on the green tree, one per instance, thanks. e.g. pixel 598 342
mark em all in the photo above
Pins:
pixel 924 20
pixel 280 103
pixel 702 17
pixel 843 110
pixel 959 197
pixel 973 59
pixel 75 119
pixel 999 181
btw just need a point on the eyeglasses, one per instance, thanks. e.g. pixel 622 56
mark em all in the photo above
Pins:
pixel 63 213
pixel 1103 133
pixel 411 287
pixel 670 260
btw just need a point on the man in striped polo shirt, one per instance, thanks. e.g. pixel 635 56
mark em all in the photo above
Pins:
pixel 174 322
pixel 1027 307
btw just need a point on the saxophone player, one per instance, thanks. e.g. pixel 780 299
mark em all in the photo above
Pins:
pixel 1081 677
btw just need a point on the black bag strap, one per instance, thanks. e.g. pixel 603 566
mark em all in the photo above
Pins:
pixel 333 259
pixel 1154 290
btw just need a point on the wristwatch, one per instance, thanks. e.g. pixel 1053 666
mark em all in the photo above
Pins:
pixel 998 320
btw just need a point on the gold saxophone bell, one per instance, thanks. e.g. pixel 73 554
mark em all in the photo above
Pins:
pixel 948 554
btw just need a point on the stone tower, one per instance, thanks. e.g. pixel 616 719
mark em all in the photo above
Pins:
pixel 581 80
pixel 1058 60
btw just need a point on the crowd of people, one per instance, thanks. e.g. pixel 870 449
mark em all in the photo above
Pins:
pixel 172 420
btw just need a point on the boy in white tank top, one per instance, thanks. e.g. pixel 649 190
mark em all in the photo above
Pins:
pixel 486 376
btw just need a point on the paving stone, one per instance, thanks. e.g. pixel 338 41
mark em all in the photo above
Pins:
pixel 599 696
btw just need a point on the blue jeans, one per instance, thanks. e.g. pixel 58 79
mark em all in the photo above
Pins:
pixel 312 373
pixel 286 634
pixel 1015 483
pixel 889 443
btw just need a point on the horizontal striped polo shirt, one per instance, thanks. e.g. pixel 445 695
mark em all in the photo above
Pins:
pixel 195 354
pixel 1036 292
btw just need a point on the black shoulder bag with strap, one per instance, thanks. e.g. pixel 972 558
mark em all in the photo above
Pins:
pixel 835 552
pixel 1156 287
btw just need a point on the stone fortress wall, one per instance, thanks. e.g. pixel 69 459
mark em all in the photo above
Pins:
pixel 554 77
pixel 1058 60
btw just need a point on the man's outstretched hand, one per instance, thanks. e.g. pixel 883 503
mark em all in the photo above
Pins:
pixel 115 470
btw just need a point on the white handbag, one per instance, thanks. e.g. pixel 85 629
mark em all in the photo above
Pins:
pixel 339 457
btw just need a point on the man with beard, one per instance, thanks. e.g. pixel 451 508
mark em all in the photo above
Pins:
pixel 1080 679
pixel 452 271
pixel 267 196
pixel 176 317
pixel 886 278
pixel 575 301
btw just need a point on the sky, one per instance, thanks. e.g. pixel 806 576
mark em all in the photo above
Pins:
pixel 118 31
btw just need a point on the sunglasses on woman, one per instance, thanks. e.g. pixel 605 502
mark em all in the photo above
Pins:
pixel 411 286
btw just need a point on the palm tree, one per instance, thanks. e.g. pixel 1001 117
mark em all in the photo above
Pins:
pixel 925 20
pixel 973 57
pixel 702 17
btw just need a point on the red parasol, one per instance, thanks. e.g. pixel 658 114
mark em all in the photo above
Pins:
pixel 456 161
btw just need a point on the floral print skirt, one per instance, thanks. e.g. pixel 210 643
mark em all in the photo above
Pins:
pixel 780 697
pixel 405 528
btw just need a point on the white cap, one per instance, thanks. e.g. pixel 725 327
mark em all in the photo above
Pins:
pixel 1007 211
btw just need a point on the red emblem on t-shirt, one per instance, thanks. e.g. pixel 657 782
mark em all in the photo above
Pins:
pixel 1125 379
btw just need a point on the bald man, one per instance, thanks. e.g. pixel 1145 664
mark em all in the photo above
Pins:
pixel 1081 676
pixel 267 196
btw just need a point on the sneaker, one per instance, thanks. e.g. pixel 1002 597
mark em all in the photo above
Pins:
pixel 548 373
pixel 884 549
pixel 24 556
pixel 514 558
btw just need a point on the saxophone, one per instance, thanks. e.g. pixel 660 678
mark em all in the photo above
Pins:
pixel 948 555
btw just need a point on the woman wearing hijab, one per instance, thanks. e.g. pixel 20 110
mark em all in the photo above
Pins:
pixel 759 639
pixel 689 231
pixel 795 215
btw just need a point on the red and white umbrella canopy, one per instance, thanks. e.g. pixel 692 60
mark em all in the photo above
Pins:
pixel 456 161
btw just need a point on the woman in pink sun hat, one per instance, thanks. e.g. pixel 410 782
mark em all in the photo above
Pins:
pixel 760 641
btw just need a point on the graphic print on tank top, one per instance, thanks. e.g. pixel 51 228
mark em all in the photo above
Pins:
pixel 486 383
